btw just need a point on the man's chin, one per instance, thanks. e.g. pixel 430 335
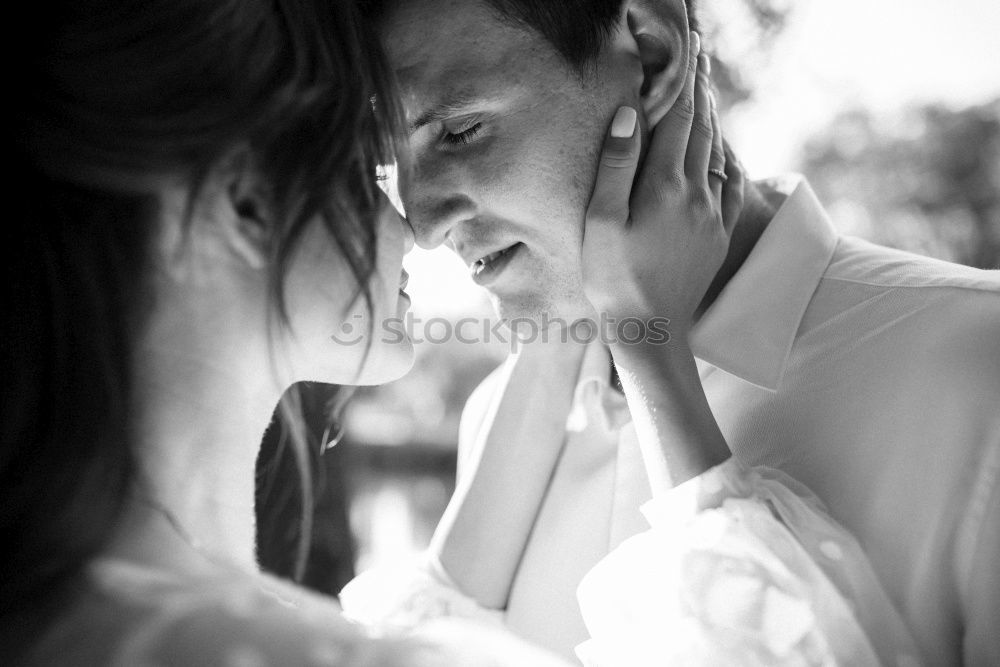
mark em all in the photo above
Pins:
pixel 540 310
pixel 511 307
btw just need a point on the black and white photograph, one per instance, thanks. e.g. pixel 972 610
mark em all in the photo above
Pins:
pixel 502 333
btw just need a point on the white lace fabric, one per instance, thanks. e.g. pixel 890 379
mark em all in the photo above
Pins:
pixel 741 566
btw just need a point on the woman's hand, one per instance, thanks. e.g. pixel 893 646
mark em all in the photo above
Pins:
pixel 652 250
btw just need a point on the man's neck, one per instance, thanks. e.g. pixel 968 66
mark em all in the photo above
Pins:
pixel 760 204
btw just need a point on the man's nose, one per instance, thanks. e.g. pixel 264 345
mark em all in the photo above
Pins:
pixel 433 222
pixel 437 199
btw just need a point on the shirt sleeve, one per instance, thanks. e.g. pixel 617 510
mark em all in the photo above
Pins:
pixel 741 566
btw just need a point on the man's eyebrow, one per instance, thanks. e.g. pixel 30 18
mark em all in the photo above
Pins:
pixel 449 106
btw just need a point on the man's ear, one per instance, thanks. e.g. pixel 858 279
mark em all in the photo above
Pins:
pixel 660 34
pixel 247 219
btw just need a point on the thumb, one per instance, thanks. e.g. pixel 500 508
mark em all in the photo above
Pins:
pixel 616 170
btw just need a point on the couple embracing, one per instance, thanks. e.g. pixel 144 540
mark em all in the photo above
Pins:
pixel 805 472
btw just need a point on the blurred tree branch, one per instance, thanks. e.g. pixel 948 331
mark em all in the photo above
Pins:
pixel 739 35
pixel 926 180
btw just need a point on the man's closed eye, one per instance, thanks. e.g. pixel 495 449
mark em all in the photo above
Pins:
pixel 465 136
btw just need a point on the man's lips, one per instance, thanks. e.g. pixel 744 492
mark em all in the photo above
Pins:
pixel 482 258
pixel 489 266
pixel 488 258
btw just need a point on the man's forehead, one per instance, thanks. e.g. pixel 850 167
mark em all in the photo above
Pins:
pixel 448 54
pixel 432 41
pixel 455 79
pixel 430 95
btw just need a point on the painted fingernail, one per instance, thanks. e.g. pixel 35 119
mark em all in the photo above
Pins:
pixel 695 43
pixel 624 123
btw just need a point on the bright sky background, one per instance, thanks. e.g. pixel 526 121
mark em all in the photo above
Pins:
pixel 883 54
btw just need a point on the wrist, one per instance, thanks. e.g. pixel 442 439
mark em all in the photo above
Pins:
pixel 674 344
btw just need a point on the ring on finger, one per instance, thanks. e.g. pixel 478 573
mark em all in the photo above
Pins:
pixel 718 173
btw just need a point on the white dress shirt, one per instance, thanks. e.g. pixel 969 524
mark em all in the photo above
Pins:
pixel 868 374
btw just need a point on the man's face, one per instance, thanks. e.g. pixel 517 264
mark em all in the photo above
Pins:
pixel 504 142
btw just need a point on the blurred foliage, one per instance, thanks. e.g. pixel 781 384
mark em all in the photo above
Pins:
pixel 925 180
pixel 739 35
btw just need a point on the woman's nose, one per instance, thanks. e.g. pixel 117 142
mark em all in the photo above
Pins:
pixel 388 208
pixel 409 238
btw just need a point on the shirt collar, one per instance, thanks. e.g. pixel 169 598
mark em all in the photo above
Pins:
pixel 749 330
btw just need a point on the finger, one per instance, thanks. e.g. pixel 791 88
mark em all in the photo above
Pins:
pixel 732 193
pixel 699 143
pixel 615 171
pixel 717 159
pixel 668 144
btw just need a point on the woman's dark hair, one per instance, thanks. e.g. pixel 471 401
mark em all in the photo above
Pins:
pixel 111 96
